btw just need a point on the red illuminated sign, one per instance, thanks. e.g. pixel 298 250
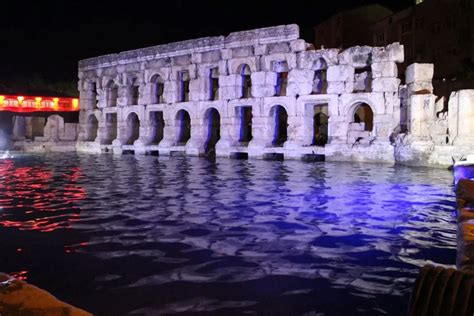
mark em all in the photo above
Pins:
pixel 19 103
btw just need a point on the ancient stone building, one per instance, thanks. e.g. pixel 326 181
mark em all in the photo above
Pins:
pixel 262 93
pixel 255 93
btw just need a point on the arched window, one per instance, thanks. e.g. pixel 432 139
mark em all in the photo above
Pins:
pixel 157 89
pixel 213 122
pixel 92 127
pixel 320 72
pixel 111 91
pixel 184 80
pixel 134 92
pixel 246 81
pixel 280 130
pixel 214 83
pixel 183 121
pixel 92 97
pixel 365 116
pixel 133 128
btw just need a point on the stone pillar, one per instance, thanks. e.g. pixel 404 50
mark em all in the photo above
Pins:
pixel 19 128
pixel 421 101
pixel 226 140
pixel 461 117
pixel 259 135
pixel 195 145
pixel 169 134
pixel 295 132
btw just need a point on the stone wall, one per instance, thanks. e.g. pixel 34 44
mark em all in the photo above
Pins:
pixel 438 130
pixel 256 92
pixel 261 93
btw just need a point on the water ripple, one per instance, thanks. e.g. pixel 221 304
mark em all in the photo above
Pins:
pixel 147 236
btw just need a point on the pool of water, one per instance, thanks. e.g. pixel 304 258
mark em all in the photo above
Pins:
pixel 126 235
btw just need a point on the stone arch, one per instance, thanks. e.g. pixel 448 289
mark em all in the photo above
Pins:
pixel 279 117
pixel 212 120
pixel 320 76
pixel 245 80
pixel 92 126
pixel 183 123
pixel 133 128
pixel 157 88
pixel 363 115
pixel 111 93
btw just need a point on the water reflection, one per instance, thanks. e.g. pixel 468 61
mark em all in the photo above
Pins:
pixel 157 236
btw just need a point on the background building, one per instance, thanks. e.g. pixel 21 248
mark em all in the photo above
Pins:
pixel 432 31
pixel 349 28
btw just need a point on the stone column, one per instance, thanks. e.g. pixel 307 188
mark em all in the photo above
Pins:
pixel 461 117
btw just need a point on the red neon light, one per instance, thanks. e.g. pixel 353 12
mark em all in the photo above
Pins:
pixel 23 103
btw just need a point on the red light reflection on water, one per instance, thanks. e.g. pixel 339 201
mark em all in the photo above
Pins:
pixel 31 200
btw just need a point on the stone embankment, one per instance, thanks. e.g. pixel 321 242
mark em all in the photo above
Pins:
pixel 465 202
pixel 20 298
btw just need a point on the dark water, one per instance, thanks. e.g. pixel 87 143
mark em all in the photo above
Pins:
pixel 151 236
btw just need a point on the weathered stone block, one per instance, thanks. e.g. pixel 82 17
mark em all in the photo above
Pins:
pixel 260 50
pixel 340 73
pixel 227 93
pixel 230 80
pixel 420 87
pixel 298 45
pixel 301 76
pixel 385 84
pixel 336 87
pixel 384 70
pixel 259 91
pixel 294 89
pixel 419 72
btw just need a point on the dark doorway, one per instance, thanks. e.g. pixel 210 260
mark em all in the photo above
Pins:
pixel 245 124
pixel 157 125
pixel 184 123
pixel 281 126
pixel 213 135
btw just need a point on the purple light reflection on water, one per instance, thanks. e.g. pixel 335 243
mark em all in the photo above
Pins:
pixel 141 235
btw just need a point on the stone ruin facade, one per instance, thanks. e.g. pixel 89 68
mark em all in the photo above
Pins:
pixel 266 93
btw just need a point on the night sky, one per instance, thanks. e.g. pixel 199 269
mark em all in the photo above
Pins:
pixel 49 37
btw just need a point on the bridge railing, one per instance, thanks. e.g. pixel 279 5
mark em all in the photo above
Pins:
pixel 20 103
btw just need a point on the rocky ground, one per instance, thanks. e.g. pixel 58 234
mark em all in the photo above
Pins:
pixel 465 202
pixel 22 299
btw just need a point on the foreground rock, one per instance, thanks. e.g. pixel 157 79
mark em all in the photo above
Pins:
pixel 465 202
pixel 20 298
